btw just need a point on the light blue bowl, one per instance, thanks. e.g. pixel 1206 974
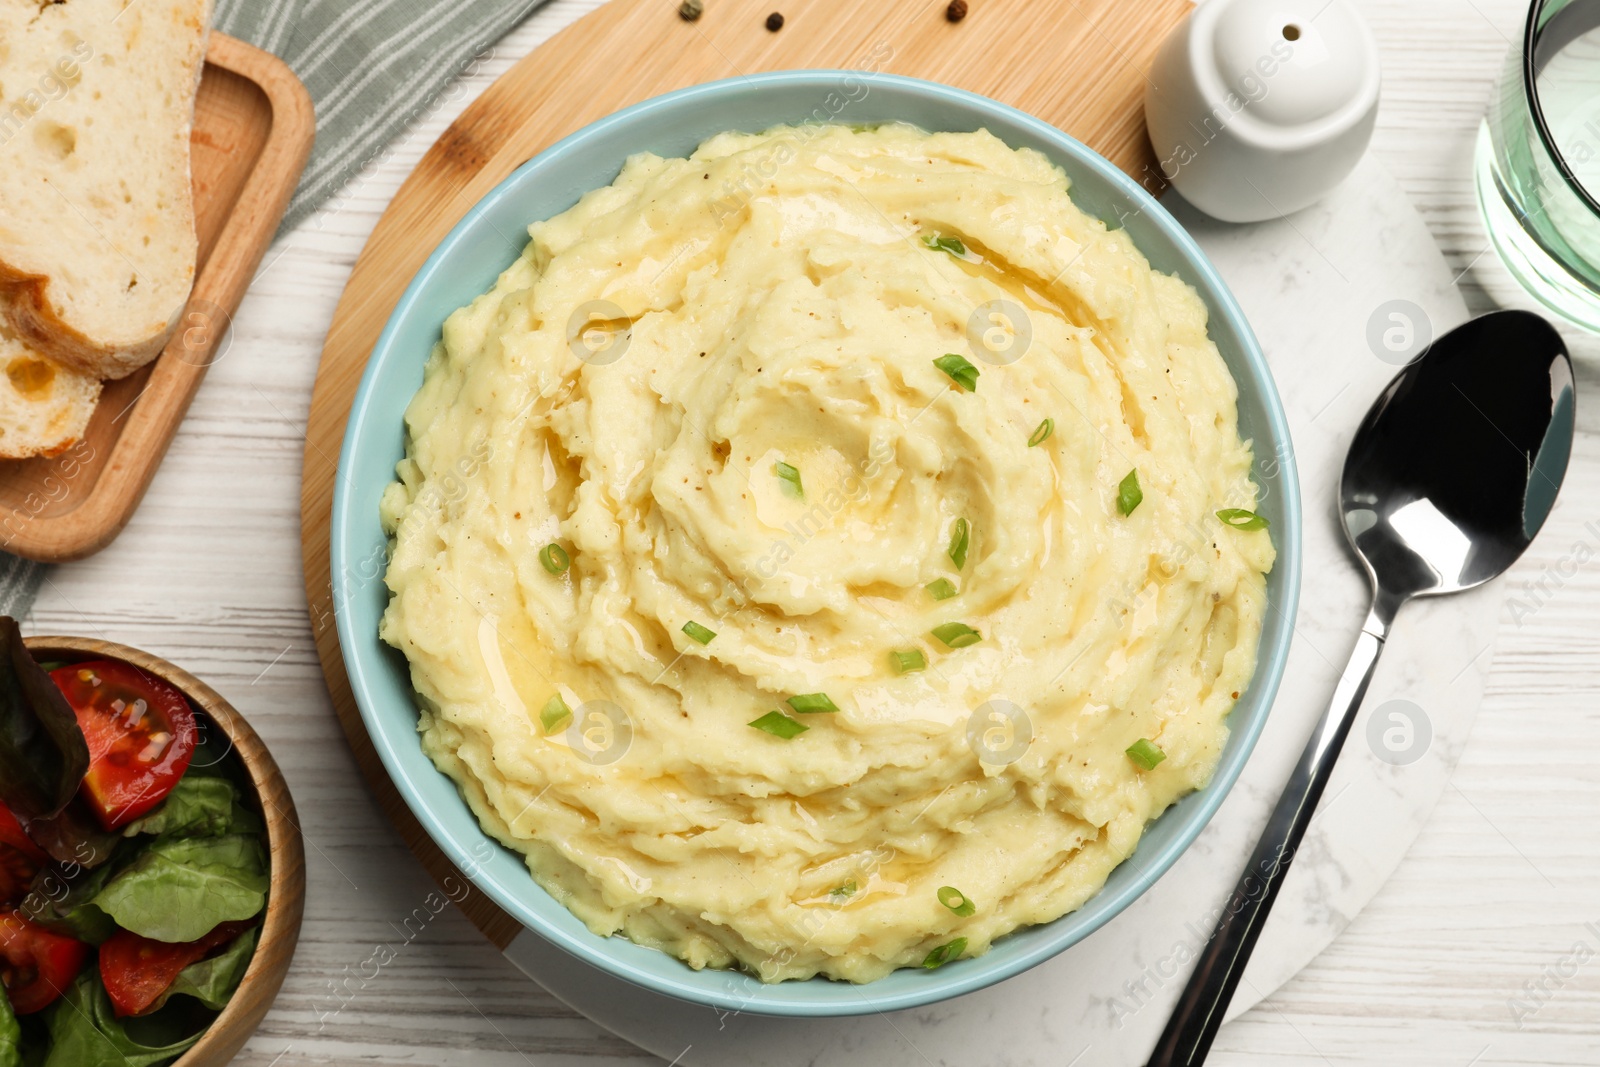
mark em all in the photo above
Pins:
pixel 467 263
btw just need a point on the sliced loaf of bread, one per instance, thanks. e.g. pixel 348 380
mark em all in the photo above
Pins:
pixel 97 234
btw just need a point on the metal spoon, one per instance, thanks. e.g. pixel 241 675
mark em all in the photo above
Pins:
pixel 1448 479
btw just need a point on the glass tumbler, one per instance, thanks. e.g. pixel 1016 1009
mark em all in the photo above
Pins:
pixel 1538 160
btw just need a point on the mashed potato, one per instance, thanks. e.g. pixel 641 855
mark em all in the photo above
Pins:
pixel 736 392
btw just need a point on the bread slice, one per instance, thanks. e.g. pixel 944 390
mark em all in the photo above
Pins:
pixel 97 237
pixel 44 407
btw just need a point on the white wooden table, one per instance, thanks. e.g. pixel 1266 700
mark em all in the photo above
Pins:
pixel 1476 953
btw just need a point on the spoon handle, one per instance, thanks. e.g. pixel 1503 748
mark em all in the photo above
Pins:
pixel 1194 1023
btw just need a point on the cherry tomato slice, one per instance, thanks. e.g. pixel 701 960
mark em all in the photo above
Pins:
pixel 36 965
pixel 137 970
pixel 20 859
pixel 141 736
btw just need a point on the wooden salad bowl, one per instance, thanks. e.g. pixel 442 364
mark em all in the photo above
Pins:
pixel 280 929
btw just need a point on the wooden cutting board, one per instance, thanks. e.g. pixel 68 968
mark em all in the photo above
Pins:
pixel 1079 64
pixel 253 128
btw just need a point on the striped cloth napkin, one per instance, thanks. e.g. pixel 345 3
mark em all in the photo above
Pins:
pixel 19 584
pixel 373 67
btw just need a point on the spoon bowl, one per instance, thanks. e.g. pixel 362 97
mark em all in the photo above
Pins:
pixel 1456 466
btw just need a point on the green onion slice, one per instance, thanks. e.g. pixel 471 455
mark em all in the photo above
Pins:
pixel 1241 519
pixel 778 724
pixel 907 662
pixel 960 539
pixel 960 370
pixel 790 476
pixel 956 901
pixel 945 953
pixel 941 588
pixel 554 715
pixel 1145 753
pixel 1129 495
pixel 1046 428
pixel 811 703
pixel 843 892
pixel 957 634
pixel 699 633
pixel 554 558
pixel 952 245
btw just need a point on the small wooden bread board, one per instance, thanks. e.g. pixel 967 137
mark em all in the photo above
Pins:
pixel 253 130
pixel 1079 64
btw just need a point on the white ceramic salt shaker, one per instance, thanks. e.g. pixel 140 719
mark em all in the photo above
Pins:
pixel 1258 108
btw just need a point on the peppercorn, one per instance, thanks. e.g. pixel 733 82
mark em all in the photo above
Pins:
pixel 690 10
pixel 775 21
pixel 956 11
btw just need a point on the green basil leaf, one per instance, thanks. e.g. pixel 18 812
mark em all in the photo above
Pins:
pixel 74 837
pixel 212 982
pixel 85 1031
pixel 196 807
pixel 66 904
pixel 213 754
pixel 241 820
pixel 43 757
pixel 10 1034
pixel 179 889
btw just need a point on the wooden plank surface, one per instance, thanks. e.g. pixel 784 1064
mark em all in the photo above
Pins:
pixel 253 129
pixel 1078 64
pixel 208 575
